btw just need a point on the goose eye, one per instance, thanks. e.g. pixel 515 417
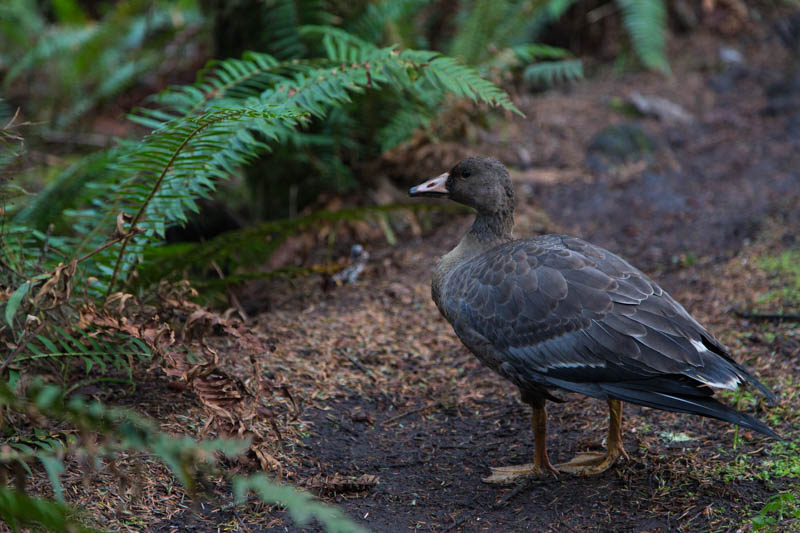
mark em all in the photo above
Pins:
pixel 466 173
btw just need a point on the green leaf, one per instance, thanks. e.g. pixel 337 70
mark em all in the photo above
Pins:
pixel 552 72
pixel 646 23
pixel 54 468
pixel 9 191
pixel 19 510
pixel 14 302
pixel 301 506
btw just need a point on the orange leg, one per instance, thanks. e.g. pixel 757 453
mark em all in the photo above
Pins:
pixel 541 463
pixel 591 463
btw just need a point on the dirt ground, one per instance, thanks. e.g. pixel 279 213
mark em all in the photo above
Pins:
pixel 396 423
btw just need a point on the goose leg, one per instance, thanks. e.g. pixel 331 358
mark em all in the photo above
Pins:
pixel 541 463
pixel 590 463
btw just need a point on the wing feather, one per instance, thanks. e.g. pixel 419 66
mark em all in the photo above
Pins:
pixel 564 309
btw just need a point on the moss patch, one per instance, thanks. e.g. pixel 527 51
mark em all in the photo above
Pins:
pixel 783 270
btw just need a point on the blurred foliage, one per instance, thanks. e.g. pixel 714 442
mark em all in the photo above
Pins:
pixel 102 435
pixel 68 62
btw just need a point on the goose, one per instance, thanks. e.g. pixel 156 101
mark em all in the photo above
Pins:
pixel 555 312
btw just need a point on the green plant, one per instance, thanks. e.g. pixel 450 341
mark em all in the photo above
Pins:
pixel 646 23
pixel 68 68
pixel 781 512
pixel 203 132
pixel 18 509
pixel 785 268
pixel 105 433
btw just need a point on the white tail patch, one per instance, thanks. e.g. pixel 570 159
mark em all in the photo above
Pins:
pixel 699 346
pixel 731 384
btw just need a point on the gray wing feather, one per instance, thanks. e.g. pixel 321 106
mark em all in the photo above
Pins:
pixel 565 309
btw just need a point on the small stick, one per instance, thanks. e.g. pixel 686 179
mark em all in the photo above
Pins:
pixel 361 367
pixel 411 412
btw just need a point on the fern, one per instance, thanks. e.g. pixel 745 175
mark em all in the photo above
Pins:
pixel 50 46
pixel 83 65
pixel 551 72
pixel 378 17
pixel 20 510
pixel 282 21
pixel 180 161
pixel 527 53
pixel 303 508
pixel 646 24
pixel 112 431
pixel 473 41
pixel 409 118
pixel 236 111
pixel 66 191
pixel 177 164
pixel 116 352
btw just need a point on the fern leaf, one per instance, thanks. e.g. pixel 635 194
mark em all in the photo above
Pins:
pixel 166 162
pixel 403 123
pixel 301 506
pixel 646 24
pixel 66 190
pixel 283 20
pixel 551 72
pixel 20 510
pixel 527 53
pixel 472 43
pixel 372 23
pixel 237 110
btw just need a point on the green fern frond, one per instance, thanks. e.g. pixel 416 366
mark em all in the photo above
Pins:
pixel 527 53
pixel 302 507
pixel 312 91
pixel 473 41
pixel 121 430
pixel 19 20
pixel 24 248
pixel 461 80
pixel 490 27
pixel 551 72
pixel 283 20
pixel 340 45
pixel 65 191
pixel 19 510
pixel 52 44
pixel 237 110
pixel 646 23
pixel 403 123
pixel 177 163
pixel 106 353
pixel 232 78
pixel 86 64
pixel 373 22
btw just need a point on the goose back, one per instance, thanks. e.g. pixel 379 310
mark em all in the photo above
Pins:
pixel 556 311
